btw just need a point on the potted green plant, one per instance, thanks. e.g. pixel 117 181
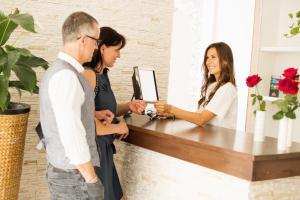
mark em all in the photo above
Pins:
pixel 16 71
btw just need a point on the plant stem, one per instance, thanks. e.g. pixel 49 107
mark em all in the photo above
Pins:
pixel 259 101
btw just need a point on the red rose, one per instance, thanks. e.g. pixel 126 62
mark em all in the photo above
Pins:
pixel 288 86
pixel 290 73
pixel 252 81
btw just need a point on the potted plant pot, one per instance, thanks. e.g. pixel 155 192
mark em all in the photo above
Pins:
pixel 12 141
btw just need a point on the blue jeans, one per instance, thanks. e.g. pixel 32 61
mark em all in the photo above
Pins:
pixel 70 185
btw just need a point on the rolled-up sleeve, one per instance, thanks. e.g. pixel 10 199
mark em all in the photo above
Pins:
pixel 67 96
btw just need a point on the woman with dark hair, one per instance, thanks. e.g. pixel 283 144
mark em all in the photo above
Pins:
pixel 218 102
pixel 97 73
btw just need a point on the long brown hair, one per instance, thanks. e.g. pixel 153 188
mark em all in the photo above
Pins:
pixel 227 71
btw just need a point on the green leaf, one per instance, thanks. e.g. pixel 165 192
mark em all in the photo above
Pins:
pixel 27 76
pixel 2 16
pixel 278 102
pixel 294 98
pixel 253 95
pixel 281 104
pixel 298 23
pixel 12 58
pixel 284 108
pixel 254 101
pixel 7 26
pixel 289 97
pixel 25 57
pixel 21 51
pixel 259 97
pixel 32 61
pixel 278 115
pixel 262 106
pixel 290 115
pixel 291 15
pixel 3 92
pixel 294 107
pixel 24 20
pixel 19 86
pixel 298 14
pixel 294 31
pixel 3 59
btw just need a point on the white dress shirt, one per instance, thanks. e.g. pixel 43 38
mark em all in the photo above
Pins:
pixel 66 96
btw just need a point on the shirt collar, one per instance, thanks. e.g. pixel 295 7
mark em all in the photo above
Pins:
pixel 72 61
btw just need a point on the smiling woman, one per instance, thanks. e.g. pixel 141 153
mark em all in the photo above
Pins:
pixel 218 102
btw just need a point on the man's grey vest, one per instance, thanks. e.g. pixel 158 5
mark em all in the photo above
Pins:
pixel 54 148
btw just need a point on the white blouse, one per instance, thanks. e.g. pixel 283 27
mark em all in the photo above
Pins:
pixel 223 105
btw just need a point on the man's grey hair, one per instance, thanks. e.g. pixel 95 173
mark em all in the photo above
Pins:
pixel 76 24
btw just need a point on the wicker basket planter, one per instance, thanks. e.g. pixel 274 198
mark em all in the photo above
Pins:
pixel 13 126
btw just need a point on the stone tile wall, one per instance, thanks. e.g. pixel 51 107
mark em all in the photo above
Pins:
pixel 146 25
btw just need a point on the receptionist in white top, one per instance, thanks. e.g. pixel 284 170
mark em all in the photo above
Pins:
pixel 218 102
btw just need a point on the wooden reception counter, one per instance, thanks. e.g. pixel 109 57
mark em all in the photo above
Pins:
pixel 227 151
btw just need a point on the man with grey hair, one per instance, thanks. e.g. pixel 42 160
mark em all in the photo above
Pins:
pixel 67 114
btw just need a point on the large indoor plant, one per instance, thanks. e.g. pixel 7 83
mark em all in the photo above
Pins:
pixel 15 71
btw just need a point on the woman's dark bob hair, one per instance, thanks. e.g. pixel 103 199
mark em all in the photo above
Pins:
pixel 108 37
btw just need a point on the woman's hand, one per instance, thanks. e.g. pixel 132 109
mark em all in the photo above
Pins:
pixel 123 130
pixel 163 109
pixel 137 106
pixel 105 115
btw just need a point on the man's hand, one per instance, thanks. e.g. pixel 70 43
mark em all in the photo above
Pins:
pixel 87 171
pixel 137 106
pixel 105 115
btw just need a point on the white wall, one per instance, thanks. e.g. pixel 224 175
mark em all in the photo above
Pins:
pixel 196 24
pixel 272 23
pixel 189 41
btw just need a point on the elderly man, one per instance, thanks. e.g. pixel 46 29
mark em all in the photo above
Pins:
pixel 67 114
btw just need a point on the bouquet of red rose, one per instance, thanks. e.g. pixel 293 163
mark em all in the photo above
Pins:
pixel 251 82
pixel 289 86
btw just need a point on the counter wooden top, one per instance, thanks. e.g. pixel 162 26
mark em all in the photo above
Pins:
pixel 228 151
